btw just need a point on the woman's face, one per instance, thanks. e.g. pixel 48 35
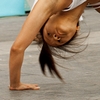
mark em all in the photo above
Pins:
pixel 57 31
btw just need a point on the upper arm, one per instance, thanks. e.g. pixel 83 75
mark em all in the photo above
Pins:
pixel 61 4
pixel 95 4
pixel 37 17
pixel 53 5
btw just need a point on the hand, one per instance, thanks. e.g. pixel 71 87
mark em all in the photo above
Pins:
pixel 23 86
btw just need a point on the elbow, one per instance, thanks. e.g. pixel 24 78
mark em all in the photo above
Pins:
pixel 16 49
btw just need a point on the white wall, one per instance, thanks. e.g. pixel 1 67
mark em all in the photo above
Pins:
pixel 30 2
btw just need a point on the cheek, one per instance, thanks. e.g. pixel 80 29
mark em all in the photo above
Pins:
pixel 65 40
pixel 68 37
pixel 72 35
pixel 47 27
pixel 50 29
pixel 44 32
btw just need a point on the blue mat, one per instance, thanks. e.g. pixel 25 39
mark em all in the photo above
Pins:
pixel 11 7
pixel 27 6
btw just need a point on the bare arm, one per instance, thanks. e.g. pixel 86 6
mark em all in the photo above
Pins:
pixel 98 10
pixel 33 23
pixel 97 7
pixel 41 12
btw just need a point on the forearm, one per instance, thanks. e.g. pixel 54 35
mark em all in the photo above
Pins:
pixel 28 32
pixel 15 64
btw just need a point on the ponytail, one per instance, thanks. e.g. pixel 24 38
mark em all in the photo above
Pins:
pixel 46 58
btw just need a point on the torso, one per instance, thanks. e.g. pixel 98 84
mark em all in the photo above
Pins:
pixel 73 5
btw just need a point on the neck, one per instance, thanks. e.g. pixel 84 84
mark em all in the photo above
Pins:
pixel 74 15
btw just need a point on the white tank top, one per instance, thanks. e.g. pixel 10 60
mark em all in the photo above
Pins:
pixel 35 1
pixel 73 5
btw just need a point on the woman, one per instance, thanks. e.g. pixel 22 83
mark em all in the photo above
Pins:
pixel 58 23
pixel 39 15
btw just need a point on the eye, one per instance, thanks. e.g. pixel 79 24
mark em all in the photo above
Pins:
pixel 48 34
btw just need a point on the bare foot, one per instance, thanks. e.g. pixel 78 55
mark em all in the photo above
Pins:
pixel 23 86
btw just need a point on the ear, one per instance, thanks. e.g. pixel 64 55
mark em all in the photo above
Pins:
pixel 77 28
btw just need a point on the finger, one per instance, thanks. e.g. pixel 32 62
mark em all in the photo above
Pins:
pixel 36 85
pixel 36 88
pixel 32 86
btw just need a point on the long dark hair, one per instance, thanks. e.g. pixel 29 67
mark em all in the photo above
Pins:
pixel 47 51
pixel 46 58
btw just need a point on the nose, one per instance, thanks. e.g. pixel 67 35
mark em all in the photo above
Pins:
pixel 56 37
